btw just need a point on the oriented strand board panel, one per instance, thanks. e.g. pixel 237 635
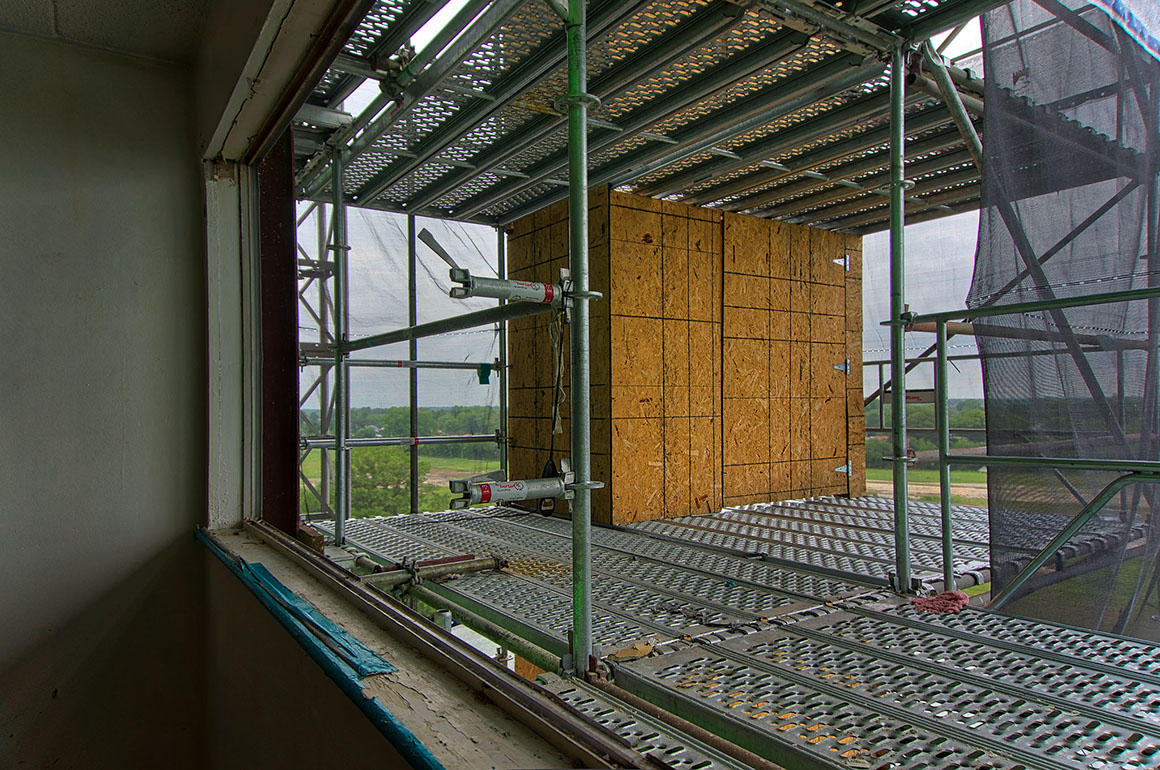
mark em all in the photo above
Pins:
pixel 792 312
pixel 656 355
pixel 713 358
pixel 855 412
pixel 665 318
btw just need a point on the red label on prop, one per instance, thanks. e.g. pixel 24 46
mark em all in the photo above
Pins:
pixel 485 493
pixel 549 292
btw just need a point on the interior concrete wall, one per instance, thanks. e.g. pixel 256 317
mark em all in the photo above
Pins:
pixel 269 704
pixel 103 438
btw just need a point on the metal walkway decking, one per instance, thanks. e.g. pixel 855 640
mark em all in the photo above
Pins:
pixel 801 667
pixel 848 536
pixel 877 684
pixel 855 536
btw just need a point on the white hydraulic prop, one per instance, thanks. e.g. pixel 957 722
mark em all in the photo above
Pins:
pixel 497 288
pixel 477 492
pixel 511 291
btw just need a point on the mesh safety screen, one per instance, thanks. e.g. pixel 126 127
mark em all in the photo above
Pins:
pixel 1069 209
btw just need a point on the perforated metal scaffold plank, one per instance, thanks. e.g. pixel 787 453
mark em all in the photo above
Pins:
pixel 1110 654
pixel 777 714
pixel 666 571
pixel 865 681
pixel 630 608
pixel 691 557
pixel 830 511
pixel 857 535
pixel 1074 686
pixel 815 553
pixel 645 734
pixel 661 595
pixel 971 519
pixel 543 615
pixel 537 610
pixel 863 688
pixel 792 529
pixel 1017 726
pixel 732 104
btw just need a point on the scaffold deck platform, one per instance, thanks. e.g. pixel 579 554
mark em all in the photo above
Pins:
pixel 791 659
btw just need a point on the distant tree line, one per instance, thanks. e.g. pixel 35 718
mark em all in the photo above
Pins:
pixel 370 422
pixel 963 413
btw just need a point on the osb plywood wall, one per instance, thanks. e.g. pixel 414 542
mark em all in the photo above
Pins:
pixel 683 418
pixel 656 356
pixel 792 317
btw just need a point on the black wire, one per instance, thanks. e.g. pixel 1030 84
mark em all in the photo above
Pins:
pixel 559 364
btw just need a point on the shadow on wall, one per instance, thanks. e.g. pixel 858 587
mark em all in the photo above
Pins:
pixel 146 677
pixel 120 684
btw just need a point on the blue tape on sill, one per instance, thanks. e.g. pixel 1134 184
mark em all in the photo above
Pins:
pixel 353 652
pixel 411 748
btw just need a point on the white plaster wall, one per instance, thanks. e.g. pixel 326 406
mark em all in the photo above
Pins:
pixel 102 409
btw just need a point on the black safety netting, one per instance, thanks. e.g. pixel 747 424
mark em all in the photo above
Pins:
pixel 1070 210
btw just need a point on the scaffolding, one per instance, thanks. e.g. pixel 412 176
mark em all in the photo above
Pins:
pixel 787 109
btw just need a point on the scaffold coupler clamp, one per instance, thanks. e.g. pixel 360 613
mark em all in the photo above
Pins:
pixel 905 320
pixel 568 660
pixel 591 101
pixel 886 187
pixel 570 294
pixel 910 458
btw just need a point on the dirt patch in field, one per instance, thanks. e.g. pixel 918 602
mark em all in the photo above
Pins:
pixel 886 489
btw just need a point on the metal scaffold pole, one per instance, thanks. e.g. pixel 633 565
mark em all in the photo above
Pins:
pixel 501 274
pixel 580 381
pixel 324 415
pixel 341 333
pixel 413 348
pixel 897 320
pixel 943 424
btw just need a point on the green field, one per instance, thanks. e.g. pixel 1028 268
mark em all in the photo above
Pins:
pixel 1072 601
pixel 928 477
pixel 461 464
pixel 312 465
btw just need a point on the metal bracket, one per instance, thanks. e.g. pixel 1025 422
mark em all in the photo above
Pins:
pixel 561 105
pixel 843 367
pixel 843 469
pixel 844 262
pixel 905 184
pixel 915 586
pixel 905 320
pixel 566 293
pixel 585 485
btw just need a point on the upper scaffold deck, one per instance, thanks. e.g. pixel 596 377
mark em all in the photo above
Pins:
pixel 775 108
